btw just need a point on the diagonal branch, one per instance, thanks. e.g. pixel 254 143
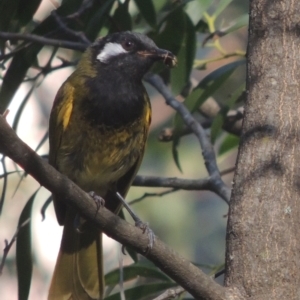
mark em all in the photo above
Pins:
pixel 207 149
pixel 42 40
pixel 179 269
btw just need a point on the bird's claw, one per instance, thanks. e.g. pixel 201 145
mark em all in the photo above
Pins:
pixel 100 202
pixel 146 229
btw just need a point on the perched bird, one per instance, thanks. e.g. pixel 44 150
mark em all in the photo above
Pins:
pixel 98 129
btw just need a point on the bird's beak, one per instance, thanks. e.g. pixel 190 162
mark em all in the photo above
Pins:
pixel 166 56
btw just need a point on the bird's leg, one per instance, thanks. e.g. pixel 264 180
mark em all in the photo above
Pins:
pixel 139 223
pixel 100 202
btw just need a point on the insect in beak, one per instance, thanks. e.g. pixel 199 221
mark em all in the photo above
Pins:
pixel 166 56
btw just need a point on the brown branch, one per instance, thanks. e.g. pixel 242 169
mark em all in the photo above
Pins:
pixel 170 294
pixel 207 149
pixel 174 182
pixel 210 109
pixel 72 33
pixel 42 40
pixel 146 195
pixel 179 269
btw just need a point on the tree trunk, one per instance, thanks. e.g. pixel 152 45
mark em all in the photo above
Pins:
pixel 263 235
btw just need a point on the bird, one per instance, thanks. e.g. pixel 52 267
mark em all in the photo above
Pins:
pixel 98 130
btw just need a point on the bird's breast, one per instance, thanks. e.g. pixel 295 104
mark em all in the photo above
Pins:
pixel 98 158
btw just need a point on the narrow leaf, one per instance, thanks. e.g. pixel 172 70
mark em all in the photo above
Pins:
pixel 141 291
pixel 218 122
pixel 98 18
pixel 147 10
pixel 4 186
pixel 24 251
pixel 133 271
pixel 121 18
pixel 212 83
pixel 242 21
pixel 201 92
pixel 26 10
pixel 221 6
pixel 196 9
pixel 175 144
pixel 186 55
pixel 172 35
pixel 230 142
pixel 26 57
pixel 21 108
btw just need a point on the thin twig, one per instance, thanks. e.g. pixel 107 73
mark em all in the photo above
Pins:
pixel 174 182
pixel 42 40
pixel 86 4
pixel 219 273
pixel 208 153
pixel 170 294
pixel 146 195
pixel 8 245
pixel 72 33
pixel 227 171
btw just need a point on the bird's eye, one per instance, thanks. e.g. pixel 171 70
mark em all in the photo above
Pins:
pixel 127 45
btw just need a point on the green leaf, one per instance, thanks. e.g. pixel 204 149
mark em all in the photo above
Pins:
pixel 8 9
pixel 231 141
pixel 97 19
pixel 181 74
pixel 210 84
pixel 4 184
pixel 45 206
pixel 24 251
pixel 147 10
pixel 195 9
pixel 218 122
pixel 21 108
pixel 202 27
pixel 42 141
pixel 172 35
pixel 221 6
pixel 133 271
pixel 26 57
pixel 201 92
pixel 121 18
pixel 175 144
pixel 26 10
pixel 240 22
pixel 141 291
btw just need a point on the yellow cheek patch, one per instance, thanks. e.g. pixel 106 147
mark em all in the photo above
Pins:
pixel 66 109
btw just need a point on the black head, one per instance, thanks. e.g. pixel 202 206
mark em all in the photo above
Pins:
pixel 130 53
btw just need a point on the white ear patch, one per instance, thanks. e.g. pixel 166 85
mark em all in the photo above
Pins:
pixel 110 50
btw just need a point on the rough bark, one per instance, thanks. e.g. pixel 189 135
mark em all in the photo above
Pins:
pixel 263 235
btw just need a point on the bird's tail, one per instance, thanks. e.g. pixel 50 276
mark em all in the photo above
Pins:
pixel 78 273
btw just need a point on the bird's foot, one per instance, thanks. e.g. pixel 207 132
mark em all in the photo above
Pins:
pixel 138 223
pixel 146 229
pixel 100 202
